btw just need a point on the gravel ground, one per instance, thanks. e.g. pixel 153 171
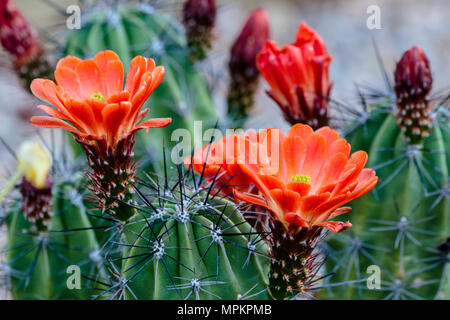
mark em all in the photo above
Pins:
pixel 342 23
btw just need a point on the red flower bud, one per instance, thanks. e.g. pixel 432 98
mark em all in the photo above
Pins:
pixel 199 17
pixel 413 82
pixel 17 36
pixel 199 13
pixel 246 47
pixel 298 77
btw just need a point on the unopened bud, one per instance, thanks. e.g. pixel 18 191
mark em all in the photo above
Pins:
pixel 35 162
pixel 17 36
pixel 413 80
pixel 413 83
pixel 198 18
pixel 248 44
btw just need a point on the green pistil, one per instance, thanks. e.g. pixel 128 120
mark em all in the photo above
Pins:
pixel 301 178
pixel 98 96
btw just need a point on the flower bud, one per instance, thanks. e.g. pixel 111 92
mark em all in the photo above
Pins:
pixel 198 18
pixel 298 77
pixel 17 36
pixel 413 80
pixel 243 70
pixel 35 162
pixel 248 44
pixel 413 83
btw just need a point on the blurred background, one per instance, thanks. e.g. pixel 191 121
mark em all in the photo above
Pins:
pixel 341 23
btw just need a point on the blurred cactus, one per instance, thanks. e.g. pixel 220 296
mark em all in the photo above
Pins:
pixel 199 17
pixel 243 71
pixel 403 225
pixel 42 237
pixel 19 38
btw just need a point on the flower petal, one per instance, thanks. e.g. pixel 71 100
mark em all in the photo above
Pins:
pixel 335 226
pixel 111 70
pixel 49 122
pixel 153 123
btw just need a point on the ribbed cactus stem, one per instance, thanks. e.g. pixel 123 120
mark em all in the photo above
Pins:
pixel 295 261
pixel 37 204
pixel 112 175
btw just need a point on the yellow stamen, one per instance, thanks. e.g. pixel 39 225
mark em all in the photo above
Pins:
pixel 301 178
pixel 98 96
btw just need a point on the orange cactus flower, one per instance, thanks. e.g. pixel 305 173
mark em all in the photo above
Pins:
pixel 298 77
pixel 90 101
pixel 303 178
pixel 313 178
pixel 218 161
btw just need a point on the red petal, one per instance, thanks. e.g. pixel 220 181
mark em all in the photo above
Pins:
pixel 335 226
pixel 287 200
pixel 302 188
pixel 295 219
pixel 112 71
pixel 250 198
pixel 153 123
pixel 48 122
pixel 90 78
pixel 113 117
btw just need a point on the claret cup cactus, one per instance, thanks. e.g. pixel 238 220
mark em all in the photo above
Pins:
pixel 123 213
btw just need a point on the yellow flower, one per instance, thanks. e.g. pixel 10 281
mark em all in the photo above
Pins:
pixel 34 162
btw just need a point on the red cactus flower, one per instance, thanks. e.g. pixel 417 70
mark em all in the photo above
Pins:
pixel 17 36
pixel 413 82
pixel 313 178
pixel 248 44
pixel 90 101
pixel 298 77
pixel 303 178
pixel 219 161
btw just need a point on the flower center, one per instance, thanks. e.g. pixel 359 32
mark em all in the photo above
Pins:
pixel 301 178
pixel 98 96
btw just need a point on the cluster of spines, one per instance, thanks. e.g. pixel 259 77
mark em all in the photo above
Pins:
pixel 112 174
pixel 37 204
pixel 295 261
pixel 162 204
